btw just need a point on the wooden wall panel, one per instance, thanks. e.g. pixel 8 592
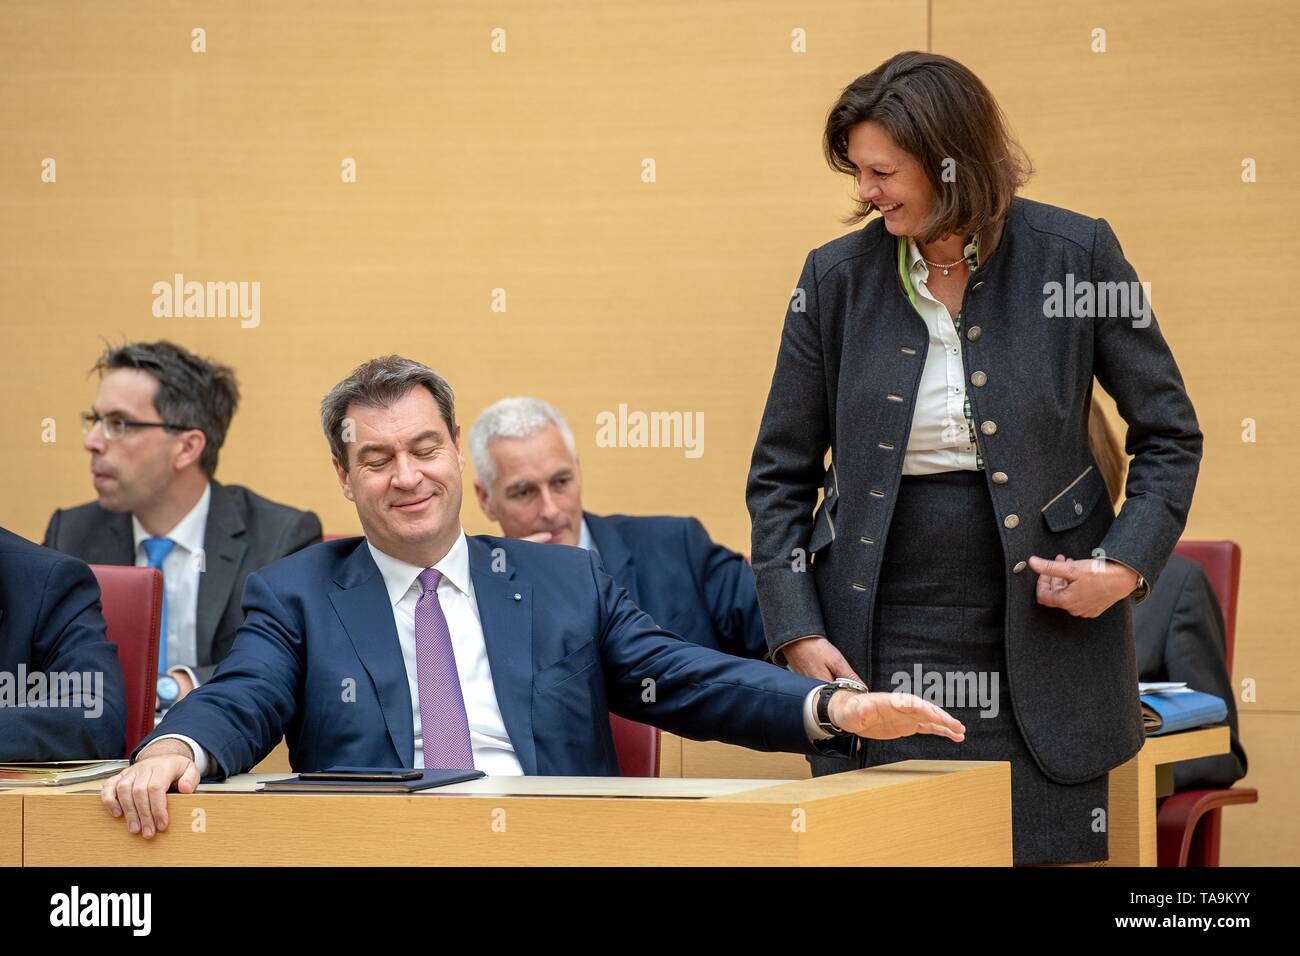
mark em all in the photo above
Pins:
pixel 475 171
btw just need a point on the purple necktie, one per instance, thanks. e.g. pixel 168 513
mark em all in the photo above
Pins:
pixel 443 723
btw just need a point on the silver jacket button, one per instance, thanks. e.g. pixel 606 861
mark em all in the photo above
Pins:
pixel 1078 508
pixel 1020 566
pixel 1011 520
pixel 999 477
pixel 973 332
pixel 989 428
pixel 978 379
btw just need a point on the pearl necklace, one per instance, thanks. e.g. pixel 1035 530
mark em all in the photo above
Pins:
pixel 945 269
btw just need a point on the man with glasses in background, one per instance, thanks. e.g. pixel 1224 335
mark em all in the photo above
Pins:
pixel 154 433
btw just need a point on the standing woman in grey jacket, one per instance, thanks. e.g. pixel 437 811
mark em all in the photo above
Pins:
pixel 965 549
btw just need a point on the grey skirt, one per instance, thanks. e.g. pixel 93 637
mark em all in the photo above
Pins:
pixel 939 626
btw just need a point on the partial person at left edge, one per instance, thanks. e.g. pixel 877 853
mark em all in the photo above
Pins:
pixel 154 434
pixel 62 696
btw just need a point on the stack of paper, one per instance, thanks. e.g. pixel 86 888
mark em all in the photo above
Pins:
pixel 57 772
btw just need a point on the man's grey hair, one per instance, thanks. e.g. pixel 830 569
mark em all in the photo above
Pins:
pixel 380 383
pixel 519 417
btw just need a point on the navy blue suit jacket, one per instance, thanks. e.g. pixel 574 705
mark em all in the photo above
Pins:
pixel 691 585
pixel 566 646
pixel 50 621
pixel 244 532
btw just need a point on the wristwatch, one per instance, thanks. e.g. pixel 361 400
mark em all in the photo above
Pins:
pixel 822 703
pixel 168 690
pixel 1141 589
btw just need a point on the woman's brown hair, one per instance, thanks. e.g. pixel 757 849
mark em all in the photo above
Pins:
pixel 935 109
pixel 1110 458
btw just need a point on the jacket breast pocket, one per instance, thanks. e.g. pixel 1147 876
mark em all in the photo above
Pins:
pixel 569 666
pixel 1075 502
pixel 823 532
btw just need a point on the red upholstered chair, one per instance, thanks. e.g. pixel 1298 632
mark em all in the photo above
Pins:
pixel 1188 823
pixel 132 599
pixel 637 746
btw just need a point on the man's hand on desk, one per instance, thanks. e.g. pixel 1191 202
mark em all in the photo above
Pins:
pixel 884 716
pixel 140 791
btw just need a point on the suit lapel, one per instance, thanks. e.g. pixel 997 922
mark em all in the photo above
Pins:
pixel 367 615
pixel 115 544
pixel 224 548
pixel 614 555
pixel 505 610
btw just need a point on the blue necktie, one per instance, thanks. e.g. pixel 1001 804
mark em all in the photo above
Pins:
pixel 156 550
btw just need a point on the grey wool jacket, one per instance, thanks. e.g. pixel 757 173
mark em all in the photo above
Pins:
pixel 1051 305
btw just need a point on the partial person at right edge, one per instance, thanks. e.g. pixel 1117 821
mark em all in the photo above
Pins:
pixel 154 434
pixel 1179 630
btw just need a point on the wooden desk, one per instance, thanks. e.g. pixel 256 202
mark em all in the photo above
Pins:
pixel 1133 791
pixel 1134 786
pixel 917 812
pixel 680 757
pixel 11 828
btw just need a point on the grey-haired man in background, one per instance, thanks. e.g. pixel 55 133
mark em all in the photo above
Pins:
pixel 529 481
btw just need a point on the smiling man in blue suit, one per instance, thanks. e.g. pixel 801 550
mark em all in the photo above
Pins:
pixel 420 646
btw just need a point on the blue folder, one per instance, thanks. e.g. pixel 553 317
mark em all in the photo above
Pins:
pixel 1170 712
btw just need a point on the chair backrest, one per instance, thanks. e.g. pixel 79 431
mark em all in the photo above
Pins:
pixel 1222 563
pixel 132 599
pixel 637 746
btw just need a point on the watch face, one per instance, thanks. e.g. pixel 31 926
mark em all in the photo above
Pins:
pixel 168 688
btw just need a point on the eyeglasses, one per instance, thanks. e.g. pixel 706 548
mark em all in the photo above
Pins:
pixel 115 426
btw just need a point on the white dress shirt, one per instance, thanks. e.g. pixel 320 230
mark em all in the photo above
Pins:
pixel 493 752
pixel 940 438
pixel 585 540
pixel 181 570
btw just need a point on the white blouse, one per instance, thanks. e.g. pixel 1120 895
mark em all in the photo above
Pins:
pixel 940 439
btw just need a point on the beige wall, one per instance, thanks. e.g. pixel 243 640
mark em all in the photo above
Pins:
pixel 522 171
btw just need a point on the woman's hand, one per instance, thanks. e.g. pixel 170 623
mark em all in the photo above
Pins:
pixel 817 658
pixel 1085 587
